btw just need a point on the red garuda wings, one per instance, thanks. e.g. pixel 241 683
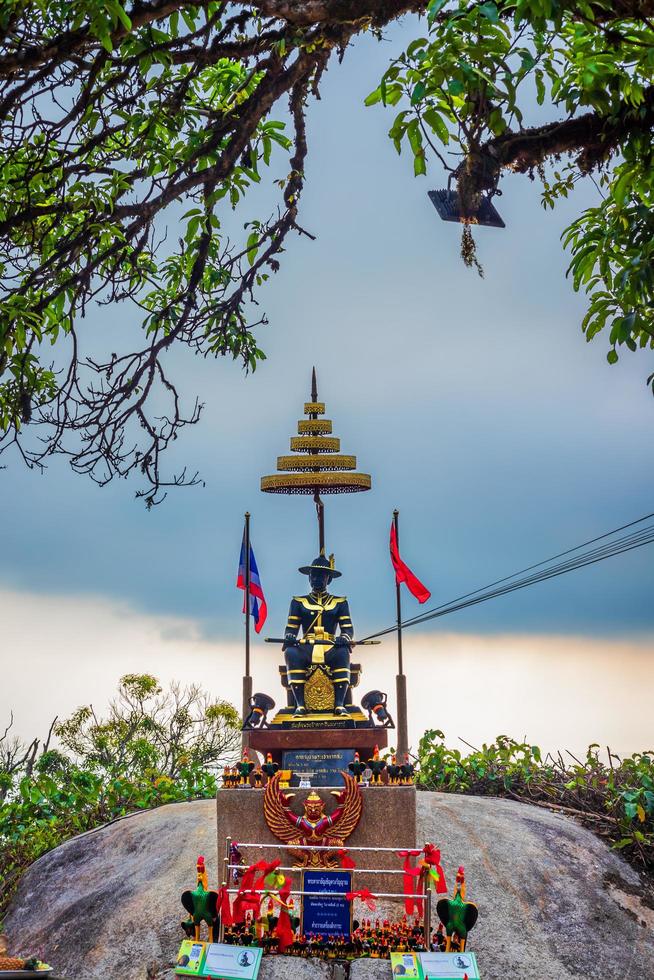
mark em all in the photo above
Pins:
pixel 314 827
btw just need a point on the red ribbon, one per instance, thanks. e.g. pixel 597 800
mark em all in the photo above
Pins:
pixel 409 882
pixel 366 897
pixel 433 860
pixel 224 907
pixel 265 869
pixel 247 897
pixel 284 929
pixel 346 861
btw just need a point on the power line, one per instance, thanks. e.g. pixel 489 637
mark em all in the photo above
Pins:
pixel 646 536
pixel 529 568
pixel 636 539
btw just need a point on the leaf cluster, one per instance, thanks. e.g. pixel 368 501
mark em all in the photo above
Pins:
pixel 615 799
pixel 113 123
pixel 468 92
pixel 120 120
pixel 153 748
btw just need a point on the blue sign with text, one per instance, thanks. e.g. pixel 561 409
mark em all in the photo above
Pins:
pixel 329 915
pixel 325 764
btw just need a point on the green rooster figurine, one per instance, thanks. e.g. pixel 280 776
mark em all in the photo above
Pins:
pixel 202 905
pixel 457 915
pixel 394 771
pixel 407 771
pixel 244 768
pixel 269 767
pixel 357 767
pixel 376 766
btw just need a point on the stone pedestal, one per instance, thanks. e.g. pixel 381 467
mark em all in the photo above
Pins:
pixel 388 820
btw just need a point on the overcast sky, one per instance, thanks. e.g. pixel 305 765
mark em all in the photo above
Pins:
pixel 476 404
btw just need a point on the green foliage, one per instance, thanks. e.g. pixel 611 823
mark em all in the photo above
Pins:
pixel 142 118
pixel 616 800
pixel 117 119
pixel 466 90
pixel 153 748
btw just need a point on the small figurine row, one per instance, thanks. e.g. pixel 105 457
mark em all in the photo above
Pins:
pixel 378 940
pixel 245 773
pixel 375 941
pixel 397 775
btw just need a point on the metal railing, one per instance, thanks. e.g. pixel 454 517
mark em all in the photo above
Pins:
pixel 425 898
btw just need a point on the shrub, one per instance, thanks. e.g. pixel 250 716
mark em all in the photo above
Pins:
pixel 615 798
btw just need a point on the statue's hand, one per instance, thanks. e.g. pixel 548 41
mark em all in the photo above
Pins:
pixel 342 641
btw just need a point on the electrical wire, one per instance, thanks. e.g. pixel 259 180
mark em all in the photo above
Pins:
pixel 618 547
pixel 627 542
pixel 529 568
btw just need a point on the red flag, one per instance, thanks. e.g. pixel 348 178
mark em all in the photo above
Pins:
pixel 404 574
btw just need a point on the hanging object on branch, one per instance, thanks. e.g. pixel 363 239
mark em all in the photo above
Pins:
pixel 448 206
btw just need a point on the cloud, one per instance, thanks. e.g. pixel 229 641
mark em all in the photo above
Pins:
pixel 561 692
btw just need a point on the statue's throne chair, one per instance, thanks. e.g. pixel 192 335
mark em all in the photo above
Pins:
pixel 319 694
pixel 319 688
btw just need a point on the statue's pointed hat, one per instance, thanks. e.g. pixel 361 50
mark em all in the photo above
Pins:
pixel 323 564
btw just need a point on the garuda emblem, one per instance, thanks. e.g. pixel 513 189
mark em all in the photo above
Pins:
pixel 314 827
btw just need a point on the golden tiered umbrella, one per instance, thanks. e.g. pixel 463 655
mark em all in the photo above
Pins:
pixel 318 466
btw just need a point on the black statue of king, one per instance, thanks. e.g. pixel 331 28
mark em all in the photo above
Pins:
pixel 320 615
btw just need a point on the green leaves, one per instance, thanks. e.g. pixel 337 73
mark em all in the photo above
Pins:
pixel 153 748
pixel 145 122
pixel 612 254
pixel 490 11
pixel 434 7
pixel 618 798
pixel 468 87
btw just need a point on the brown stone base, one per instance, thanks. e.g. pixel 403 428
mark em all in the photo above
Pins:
pixel 388 820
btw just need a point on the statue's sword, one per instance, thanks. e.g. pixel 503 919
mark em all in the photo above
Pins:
pixel 354 643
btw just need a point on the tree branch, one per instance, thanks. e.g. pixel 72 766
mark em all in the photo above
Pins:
pixel 594 136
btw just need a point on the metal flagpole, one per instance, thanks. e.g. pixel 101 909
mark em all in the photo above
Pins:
pixel 400 680
pixel 247 680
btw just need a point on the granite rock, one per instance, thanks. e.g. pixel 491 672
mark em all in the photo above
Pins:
pixel 555 902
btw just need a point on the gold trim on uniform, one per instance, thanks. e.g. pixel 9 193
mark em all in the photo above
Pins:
pixel 314 606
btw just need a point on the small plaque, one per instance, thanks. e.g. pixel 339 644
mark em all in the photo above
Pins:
pixel 238 962
pixel 331 915
pixel 190 958
pixel 325 764
pixel 406 965
pixel 218 960
pixel 449 966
